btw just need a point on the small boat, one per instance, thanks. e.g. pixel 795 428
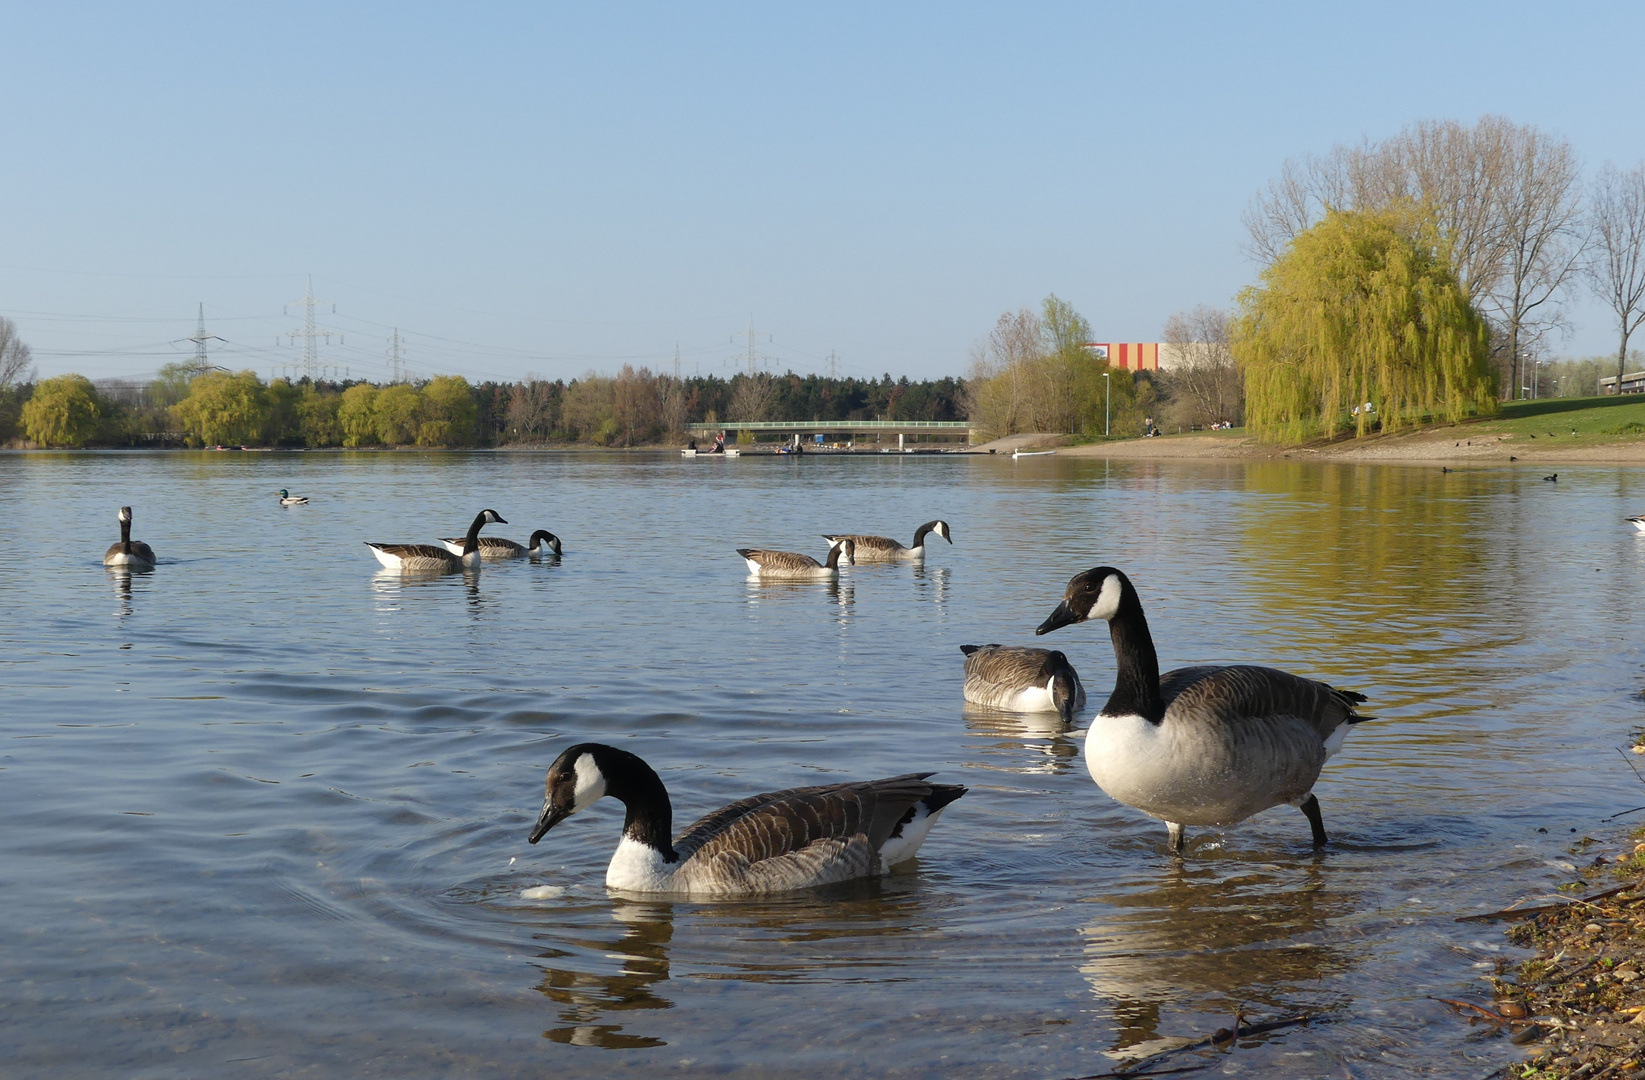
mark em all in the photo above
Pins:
pixel 1015 454
pixel 729 452
pixel 688 453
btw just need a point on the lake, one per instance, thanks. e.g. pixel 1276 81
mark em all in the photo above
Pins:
pixel 266 806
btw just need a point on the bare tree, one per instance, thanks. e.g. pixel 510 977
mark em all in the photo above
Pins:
pixel 531 409
pixel 1540 207
pixel 16 361
pixel 1203 380
pixel 676 403
pixel 1617 270
pixel 752 397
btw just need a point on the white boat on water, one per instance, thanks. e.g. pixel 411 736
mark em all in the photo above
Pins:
pixel 688 453
pixel 1015 454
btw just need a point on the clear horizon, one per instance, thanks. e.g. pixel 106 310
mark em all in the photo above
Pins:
pixel 555 190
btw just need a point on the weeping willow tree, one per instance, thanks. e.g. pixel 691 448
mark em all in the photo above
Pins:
pixel 1363 308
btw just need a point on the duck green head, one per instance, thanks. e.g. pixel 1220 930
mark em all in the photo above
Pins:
pixel 282 493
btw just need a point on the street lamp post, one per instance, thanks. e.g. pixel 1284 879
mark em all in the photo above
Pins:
pixel 1105 398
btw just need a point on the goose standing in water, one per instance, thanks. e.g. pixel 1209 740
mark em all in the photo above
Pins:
pixel 1201 745
pixel 1022 680
pixel 543 543
pixel 429 557
pixel 885 549
pixel 792 566
pixel 288 499
pixel 781 840
pixel 128 552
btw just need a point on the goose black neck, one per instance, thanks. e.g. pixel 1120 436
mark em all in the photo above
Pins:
pixel 471 542
pixel 650 816
pixel 834 553
pixel 919 534
pixel 125 535
pixel 1136 684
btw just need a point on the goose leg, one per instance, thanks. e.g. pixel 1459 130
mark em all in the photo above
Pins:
pixel 1310 807
pixel 1175 843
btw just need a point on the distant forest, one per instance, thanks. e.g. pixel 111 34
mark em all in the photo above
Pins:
pixel 632 408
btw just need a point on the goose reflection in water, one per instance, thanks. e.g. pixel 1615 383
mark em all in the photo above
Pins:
pixel 767 590
pixel 121 576
pixel 1214 938
pixel 1021 742
pixel 586 998
pixel 932 584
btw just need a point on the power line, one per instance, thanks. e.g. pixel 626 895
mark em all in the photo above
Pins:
pixel 309 331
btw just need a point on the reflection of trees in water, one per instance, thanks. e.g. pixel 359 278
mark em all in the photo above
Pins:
pixel 1020 742
pixel 1202 939
pixel 587 998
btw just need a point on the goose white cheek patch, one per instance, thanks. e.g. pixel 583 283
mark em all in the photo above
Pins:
pixel 1108 601
pixel 590 783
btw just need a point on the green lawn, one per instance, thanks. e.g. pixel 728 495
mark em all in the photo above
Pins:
pixel 1593 419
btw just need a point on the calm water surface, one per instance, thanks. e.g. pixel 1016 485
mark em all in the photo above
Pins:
pixel 266 806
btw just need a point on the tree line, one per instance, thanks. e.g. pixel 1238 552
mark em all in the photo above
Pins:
pixel 635 407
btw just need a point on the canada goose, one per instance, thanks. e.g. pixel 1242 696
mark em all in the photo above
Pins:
pixel 542 543
pixel 1639 522
pixel 1022 679
pixel 1201 745
pixel 288 499
pixel 781 840
pixel 429 557
pixel 885 549
pixel 792 565
pixel 128 552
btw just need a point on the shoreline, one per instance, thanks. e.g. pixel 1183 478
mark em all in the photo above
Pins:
pixel 1443 447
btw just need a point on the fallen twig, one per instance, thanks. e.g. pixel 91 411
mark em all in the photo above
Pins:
pixel 1515 914
pixel 1220 1037
pixel 1490 1014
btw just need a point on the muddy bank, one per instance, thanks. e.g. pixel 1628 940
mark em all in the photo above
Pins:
pixel 1445 446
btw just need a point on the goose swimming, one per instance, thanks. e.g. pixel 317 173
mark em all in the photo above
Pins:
pixel 781 840
pixel 1201 745
pixel 288 499
pixel 543 543
pixel 1638 522
pixel 128 552
pixel 1022 680
pixel 885 549
pixel 429 557
pixel 792 565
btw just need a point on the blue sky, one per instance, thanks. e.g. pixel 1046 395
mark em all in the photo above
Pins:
pixel 548 188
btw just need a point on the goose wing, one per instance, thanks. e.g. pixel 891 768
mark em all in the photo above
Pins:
pixel 1015 667
pixel 415 551
pixel 866 545
pixel 484 543
pixel 779 560
pixel 802 836
pixel 1240 695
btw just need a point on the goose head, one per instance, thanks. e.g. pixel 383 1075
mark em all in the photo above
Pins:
pixel 491 517
pixel 940 527
pixel 547 539
pixel 1094 594
pixel 124 514
pixel 575 782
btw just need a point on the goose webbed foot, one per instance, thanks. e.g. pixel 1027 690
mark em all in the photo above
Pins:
pixel 1176 837
pixel 1310 807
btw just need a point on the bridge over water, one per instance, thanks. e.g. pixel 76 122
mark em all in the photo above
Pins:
pixel 956 430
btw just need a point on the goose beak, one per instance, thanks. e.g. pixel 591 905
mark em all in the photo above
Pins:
pixel 1057 619
pixel 551 816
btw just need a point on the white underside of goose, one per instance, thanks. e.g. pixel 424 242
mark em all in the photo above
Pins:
pixel 900 849
pixel 1141 764
pixel 1638 522
pixel 121 558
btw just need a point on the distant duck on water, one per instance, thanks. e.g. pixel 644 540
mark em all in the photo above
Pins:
pixel 885 549
pixel 288 499
pixel 792 566
pixel 1206 745
pixel 429 557
pixel 543 544
pixel 128 552
pixel 782 840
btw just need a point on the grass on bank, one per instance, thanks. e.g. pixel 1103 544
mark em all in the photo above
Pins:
pixel 1607 419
